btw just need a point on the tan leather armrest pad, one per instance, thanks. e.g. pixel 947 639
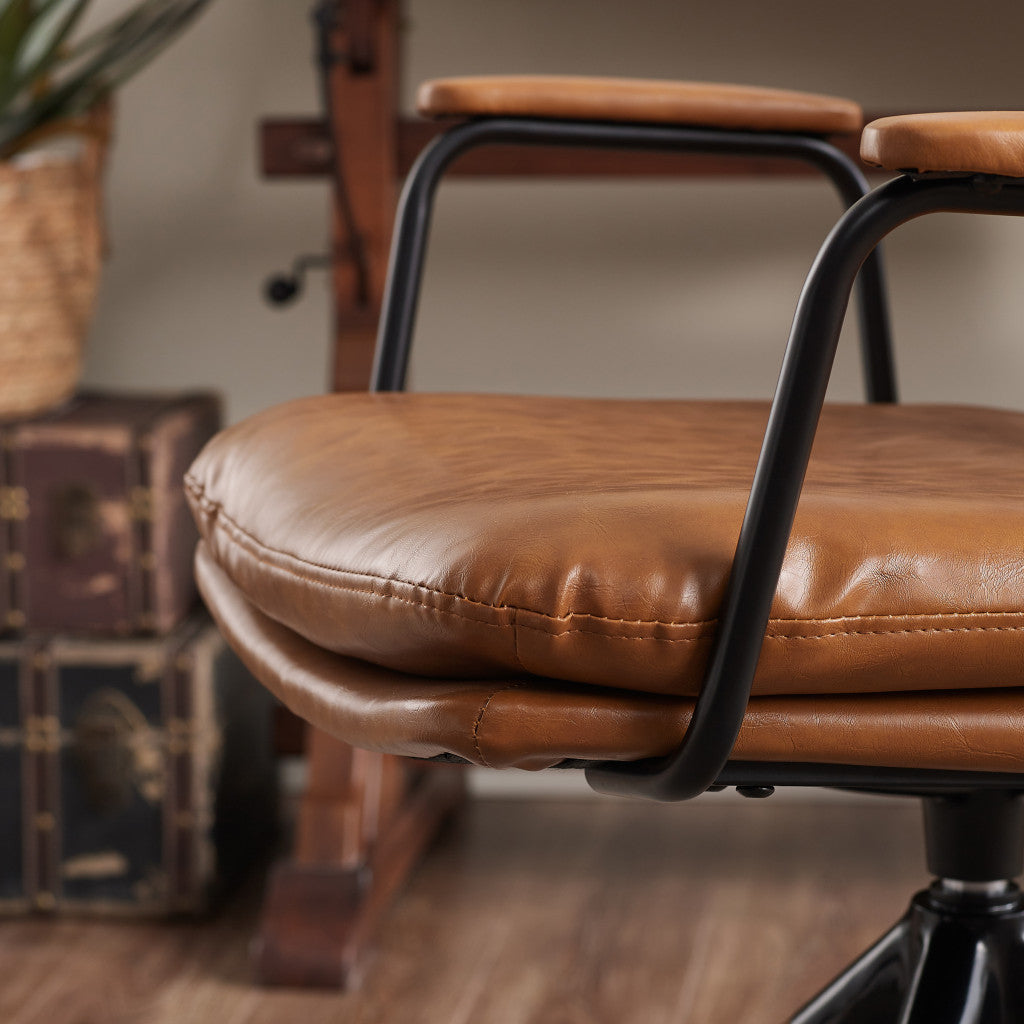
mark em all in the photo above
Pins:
pixel 641 100
pixel 972 142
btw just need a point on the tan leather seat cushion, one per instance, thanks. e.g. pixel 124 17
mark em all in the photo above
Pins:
pixel 526 722
pixel 704 104
pixel 462 536
pixel 982 142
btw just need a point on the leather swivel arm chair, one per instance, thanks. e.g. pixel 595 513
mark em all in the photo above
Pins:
pixel 673 595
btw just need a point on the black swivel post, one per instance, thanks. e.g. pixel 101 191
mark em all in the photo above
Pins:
pixel 957 955
pixel 975 837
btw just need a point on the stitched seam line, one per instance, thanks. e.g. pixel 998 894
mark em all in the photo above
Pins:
pixel 326 585
pixel 614 636
pixel 900 632
pixel 778 636
pixel 227 526
pixel 480 719
pixel 515 641
pixel 230 525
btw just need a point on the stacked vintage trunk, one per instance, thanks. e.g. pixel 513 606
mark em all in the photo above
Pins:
pixel 135 758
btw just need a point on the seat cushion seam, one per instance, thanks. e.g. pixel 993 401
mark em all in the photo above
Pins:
pixel 225 523
pixel 898 632
pixel 515 640
pixel 480 718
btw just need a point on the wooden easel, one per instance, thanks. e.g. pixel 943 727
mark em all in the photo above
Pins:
pixel 366 818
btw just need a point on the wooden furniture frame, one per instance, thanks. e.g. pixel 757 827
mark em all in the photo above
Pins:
pixel 366 818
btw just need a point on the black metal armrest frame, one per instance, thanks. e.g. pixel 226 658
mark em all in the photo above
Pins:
pixel 408 252
pixel 702 757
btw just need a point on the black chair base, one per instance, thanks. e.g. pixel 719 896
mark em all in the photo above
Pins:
pixel 957 957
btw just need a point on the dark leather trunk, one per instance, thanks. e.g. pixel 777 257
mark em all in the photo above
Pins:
pixel 95 534
pixel 136 776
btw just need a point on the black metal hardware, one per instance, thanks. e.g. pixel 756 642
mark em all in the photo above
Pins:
pixel 781 466
pixel 953 959
pixel 867 778
pixel 329 16
pixel 326 18
pixel 756 792
pixel 281 289
pixel 958 954
pixel 862 778
pixel 408 251
pixel 975 837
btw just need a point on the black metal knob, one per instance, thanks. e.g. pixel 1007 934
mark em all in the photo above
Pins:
pixel 755 792
pixel 281 289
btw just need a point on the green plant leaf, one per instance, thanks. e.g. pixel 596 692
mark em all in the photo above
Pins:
pixel 140 41
pixel 135 41
pixel 125 23
pixel 15 19
pixel 113 58
pixel 52 22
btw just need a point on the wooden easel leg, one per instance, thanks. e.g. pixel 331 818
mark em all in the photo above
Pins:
pixel 363 115
pixel 365 819
pixel 364 822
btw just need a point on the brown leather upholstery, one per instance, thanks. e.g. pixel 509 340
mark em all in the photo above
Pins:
pixel 532 723
pixel 478 537
pixel 628 99
pixel 983 142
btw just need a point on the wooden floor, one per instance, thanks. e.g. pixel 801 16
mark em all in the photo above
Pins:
pixel 531 912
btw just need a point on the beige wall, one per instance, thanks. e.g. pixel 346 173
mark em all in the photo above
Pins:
pixel 652 288
pixel 660 287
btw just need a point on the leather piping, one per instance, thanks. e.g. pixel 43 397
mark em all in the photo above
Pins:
pixel 228 526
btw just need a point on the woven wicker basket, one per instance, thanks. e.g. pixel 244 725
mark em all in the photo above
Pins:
pixel 51 247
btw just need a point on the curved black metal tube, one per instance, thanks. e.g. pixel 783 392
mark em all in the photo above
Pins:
pixel 785 452
pixel 876 330
pixel 408 251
